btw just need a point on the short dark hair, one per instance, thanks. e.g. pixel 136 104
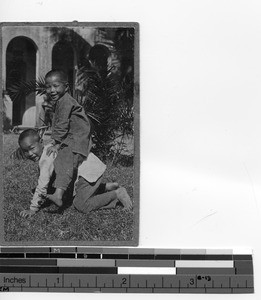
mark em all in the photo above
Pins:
pixel 59 72
pixel 28 132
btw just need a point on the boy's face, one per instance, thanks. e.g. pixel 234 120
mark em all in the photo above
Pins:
pixel 55 87
pixel 32 148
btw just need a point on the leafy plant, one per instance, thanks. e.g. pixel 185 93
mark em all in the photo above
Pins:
pixel 106 87
pixel 103 94
pixel 24 88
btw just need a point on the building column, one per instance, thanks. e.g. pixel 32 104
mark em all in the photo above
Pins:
pixel 44 65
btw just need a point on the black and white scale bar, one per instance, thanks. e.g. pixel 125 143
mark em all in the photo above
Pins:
pixel 58 270
pixel 123 256
pixel 125 253
pixel 114 266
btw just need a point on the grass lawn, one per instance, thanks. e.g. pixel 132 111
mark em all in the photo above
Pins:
pixel 20 177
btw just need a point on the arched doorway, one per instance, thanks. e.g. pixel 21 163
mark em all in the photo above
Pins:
pixel 21 66
pixel 63 58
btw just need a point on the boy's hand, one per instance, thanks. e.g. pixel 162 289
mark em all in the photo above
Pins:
pixel 27 213
pixel 53 149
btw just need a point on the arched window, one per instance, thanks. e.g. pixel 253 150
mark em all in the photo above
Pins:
pixel 21 66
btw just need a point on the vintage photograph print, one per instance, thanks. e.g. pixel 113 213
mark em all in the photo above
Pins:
pixel 70 134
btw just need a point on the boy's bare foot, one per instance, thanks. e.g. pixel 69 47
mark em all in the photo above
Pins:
pixel 56 199
pixel 111 186
pixel 124 198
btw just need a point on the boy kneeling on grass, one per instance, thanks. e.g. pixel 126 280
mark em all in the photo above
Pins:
pixel 90 192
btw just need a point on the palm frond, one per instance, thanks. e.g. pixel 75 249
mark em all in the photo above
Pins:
pixel 103 98
pixel 94 117
pixel 24 88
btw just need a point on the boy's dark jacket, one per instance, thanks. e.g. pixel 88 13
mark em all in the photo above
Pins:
pixel 71 125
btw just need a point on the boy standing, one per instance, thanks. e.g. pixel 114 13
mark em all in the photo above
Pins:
pixel 71 133
pixel 90 193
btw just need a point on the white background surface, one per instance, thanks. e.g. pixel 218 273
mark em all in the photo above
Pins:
pixel 200 121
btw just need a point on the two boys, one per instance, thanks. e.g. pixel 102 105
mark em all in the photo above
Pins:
pixel 69 153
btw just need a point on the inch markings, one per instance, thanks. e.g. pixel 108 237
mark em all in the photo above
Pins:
pixel 159 283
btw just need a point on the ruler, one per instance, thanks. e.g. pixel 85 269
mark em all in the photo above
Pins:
pixel 125 270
